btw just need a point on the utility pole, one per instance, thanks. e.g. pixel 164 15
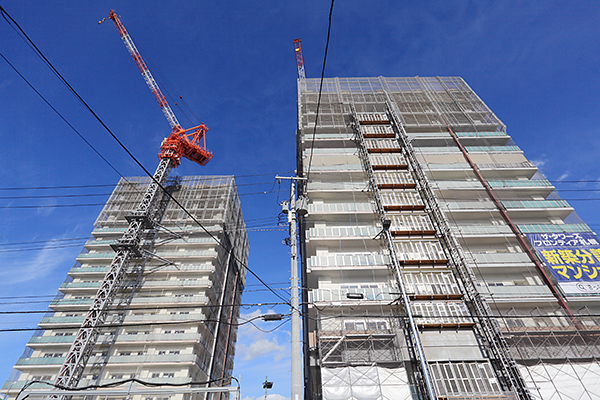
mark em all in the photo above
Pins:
pixel 297 387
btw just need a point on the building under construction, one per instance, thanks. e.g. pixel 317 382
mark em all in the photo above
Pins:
pixel 438 262
pixel 173 316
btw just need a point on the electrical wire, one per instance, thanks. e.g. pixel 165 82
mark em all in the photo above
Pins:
pixel 320 92
pixel 122 382
pixel 171 197
pixel 57 112
pixel 123 325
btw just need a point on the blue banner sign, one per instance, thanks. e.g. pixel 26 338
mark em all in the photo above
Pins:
pixel 573 259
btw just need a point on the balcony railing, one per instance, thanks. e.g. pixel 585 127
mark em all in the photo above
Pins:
pixel 318 295
pixel 499 258
pixel 553 228
pixel 536 204
pixel 341 207
pixel 514 291
pixel 387 160
pixel 177 283
pixel 410 223
pixel 441 312
pixel 456 184
pixel 481 229
pixel 348 259
pixel 342 232
pixel 524 164
pixel 431 284
pixel 331 186
pixel 468 205
pixel 415 251
pixel 398 200
pixel 375 144
pixel 516 183
pixel 389 180
pixel 335 167
pixel 480 134
pixel 489 149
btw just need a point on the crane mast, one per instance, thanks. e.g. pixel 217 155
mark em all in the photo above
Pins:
pixel 178 144
pixel 299 58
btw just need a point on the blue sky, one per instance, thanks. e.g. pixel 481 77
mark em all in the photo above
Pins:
pixel 534 63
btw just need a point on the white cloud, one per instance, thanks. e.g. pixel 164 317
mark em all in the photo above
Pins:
pixel 44 262
pixel 539 163
pixel 253 343
pixel 563 176
pixel 261 347
pixel 270 396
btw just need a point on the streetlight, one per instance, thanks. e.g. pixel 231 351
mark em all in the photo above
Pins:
pixel 267 385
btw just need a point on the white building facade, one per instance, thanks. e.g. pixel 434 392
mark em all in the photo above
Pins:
pixel 174 317
pixel 420 278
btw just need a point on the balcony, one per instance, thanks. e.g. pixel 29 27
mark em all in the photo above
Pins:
pixel 467 205
pixel 167 268
pixel 411 224
pixel 439 184
pixel 145 284
pixel 328 136
pixel 388 161
pixel 501 258
pixel 481 230
pixel 164 254
pixel 434 314
pixel 553 228
pixel 341 207
pixel 338 186
pixel 492 149
pixel 375 131
pixel 348 260
pixel 514 291
pixel 382 146
pixel 516 204
pixel 370 294
pixel 431 285
pixel 481 134
pixel 401 200
pixel 171 299
pixel 334 167
pixel 520 183
pixel 40 361
pixel 437 149
pixel 394 180
pixel 420 252
pixel 342 232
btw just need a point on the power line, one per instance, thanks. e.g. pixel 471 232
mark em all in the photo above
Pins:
pixel 320 91
pixel 74 92
pixel 55 110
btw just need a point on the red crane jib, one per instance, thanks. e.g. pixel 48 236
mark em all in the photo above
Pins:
pixel 181 144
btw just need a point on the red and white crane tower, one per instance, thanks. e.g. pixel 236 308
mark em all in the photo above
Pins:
pixel 299 58
pixel 180 143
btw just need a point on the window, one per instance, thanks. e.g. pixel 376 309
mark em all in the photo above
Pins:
pixel 174 352
pixel 155 374
pixel 117 376
pixel 125 354
pixel 167 332
pixel 179 332
pixel 162 352
pixel 169 375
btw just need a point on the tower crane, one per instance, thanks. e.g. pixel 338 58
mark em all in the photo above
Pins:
pixel 180 143
pixel 299 58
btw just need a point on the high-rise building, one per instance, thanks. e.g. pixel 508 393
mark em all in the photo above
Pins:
pixel 174 316
pixel 438 262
